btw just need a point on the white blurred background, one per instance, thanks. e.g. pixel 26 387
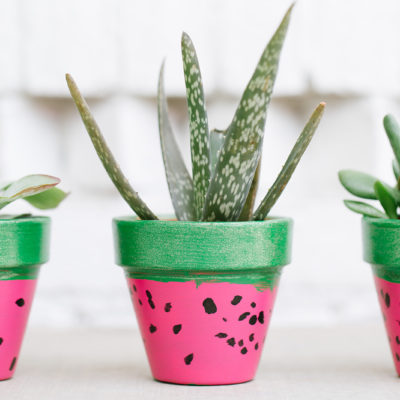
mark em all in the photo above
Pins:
pixel 346 53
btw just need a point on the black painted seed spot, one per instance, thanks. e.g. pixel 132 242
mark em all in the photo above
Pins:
pixel 151 304
pixel 236 300
pixel 221 335
pixel 397 357
pixel 188 359
pixel 1 340
pixel 253 319
pixel 134 288
pixel 167 307
pixel 244 350
pixel 261 317
pixel 253 304
pixel 397 340
pixel 13 363
pixel 243 316
pixel 20 302
pixel 231 341
pixel 152 328
pixel 224 319
pixel 177 328
pixel 387 300
pixel 240 342
pixel 148 294
pixel 140 302
pixel 209 306
pixel 256 346
pixel 251 337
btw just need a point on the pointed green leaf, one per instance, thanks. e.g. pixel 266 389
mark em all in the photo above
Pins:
pixel 396 169
pixel 106 157
pixel 358 183
pixel 240 154
pixel 247 212
pixel 49 199
pixel 198 122
pixel 179 181
pixel 392 129
pixel 26 186
pixel 386 199
pixel 290 165
pixel 364 209
pixel 217 138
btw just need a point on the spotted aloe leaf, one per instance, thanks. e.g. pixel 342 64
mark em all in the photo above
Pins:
pixel 27 186
pixel 198 122
pixel 240 154
pixel 217 138
pixel 387 200
pixel 179 181
pixel 364 209
pixel 290 165
pixel 248 207
pixel 105 155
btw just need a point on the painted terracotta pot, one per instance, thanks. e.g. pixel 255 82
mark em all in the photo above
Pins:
pixel 381 239
pixel 203 293
pixel 24 246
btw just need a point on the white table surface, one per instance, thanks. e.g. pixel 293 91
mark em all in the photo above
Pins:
pixel 346 362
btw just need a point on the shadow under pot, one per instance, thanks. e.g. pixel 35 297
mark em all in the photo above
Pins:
pixel 24 246
pixel 381 241
pixel 203 293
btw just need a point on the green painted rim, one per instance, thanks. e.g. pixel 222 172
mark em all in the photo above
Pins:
pixel 221 251
pixel 381 247
pixel 24 245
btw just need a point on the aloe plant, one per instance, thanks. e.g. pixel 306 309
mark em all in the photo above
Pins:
pixel 38 190
pixel 369 187
pixel 225 163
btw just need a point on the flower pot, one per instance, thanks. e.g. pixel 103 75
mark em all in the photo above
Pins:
pixel 24 246
pixel 381 240
pixel 203 293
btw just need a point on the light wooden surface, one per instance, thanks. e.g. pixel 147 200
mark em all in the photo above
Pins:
pixel 348 362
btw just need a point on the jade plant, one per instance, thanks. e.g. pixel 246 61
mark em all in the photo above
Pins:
pixel 225 163
pixel 38 190
pixel 367 186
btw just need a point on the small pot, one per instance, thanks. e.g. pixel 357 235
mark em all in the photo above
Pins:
pixel 24 246
pixel 203 293
pixel 381 239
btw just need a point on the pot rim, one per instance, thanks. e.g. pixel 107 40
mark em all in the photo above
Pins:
pixel 201 246
pixel 24 242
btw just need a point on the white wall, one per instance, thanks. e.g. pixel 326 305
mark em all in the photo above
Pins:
pixel 346 53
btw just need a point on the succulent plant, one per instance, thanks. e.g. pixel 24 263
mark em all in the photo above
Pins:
pixel 38 190
pixel 367 186
pixel 225 163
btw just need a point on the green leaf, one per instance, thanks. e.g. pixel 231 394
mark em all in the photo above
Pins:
pixel 240 154
pixel 217 138
pixel 26 186
pixel 386 199
pixel 396 169
pixel 392 129
pixel 358 183
pixel 106 157
pixel 290 165
pixel 179 181
pixel 198 122
pixel 364 209
pixel 51 198
pixel 247 212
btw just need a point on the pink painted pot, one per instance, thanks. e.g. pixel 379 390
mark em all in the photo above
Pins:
pixel 381 239
pixel 24 244
pixel 203 293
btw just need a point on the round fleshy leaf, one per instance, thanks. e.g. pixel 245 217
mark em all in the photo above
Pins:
pixel 364 209
pixel 386 199
pixel 358 183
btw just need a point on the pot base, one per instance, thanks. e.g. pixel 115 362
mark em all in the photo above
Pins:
pixel 202 334
pixel 389 300
pixel 15 303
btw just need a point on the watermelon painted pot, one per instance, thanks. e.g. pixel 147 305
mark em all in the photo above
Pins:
pixel 24 246
pixel 203 293
pixel 381 240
